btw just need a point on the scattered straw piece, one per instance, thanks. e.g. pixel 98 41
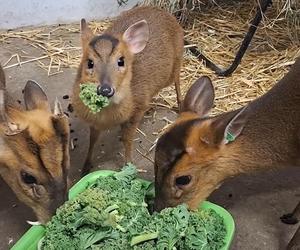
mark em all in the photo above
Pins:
pixel 215 30
pixel 144 155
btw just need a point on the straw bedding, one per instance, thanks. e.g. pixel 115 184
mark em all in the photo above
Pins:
pixel 216 30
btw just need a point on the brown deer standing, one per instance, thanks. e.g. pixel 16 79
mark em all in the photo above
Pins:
pixel 198 152
pixel 133 60
pixel 34 149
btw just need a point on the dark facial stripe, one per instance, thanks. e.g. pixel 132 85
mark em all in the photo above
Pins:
pixel 171 146
pixel 35 149
pixel 32 146
pixel 114 41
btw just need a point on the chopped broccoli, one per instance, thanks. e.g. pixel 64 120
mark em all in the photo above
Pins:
pixel 112 214
pixel 90 98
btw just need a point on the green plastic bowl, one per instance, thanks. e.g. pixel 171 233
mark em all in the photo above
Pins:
pixel 29 241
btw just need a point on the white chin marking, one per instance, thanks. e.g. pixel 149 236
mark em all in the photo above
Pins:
pixel 34 223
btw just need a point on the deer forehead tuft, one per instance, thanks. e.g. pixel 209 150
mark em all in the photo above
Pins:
pixel 40 125
pixel 52 157
pixel 104 44
pixel 46 157
pixel 185 116
pixel 172 145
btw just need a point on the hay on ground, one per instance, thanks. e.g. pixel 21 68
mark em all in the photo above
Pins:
pixel 289 10
pixel 217 31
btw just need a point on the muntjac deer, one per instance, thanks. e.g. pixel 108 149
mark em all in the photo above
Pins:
pixel 130 62
pixel 34 149
pixel 199 152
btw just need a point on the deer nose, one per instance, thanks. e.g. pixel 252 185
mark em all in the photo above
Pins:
pixel 105 90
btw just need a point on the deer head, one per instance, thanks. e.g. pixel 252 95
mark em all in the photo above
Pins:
pixel 107 59
pixel 34 150
pixel 195 155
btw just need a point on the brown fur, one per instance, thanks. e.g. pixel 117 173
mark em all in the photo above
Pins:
pixel 35 142
pixel 144 75
pixel 267 136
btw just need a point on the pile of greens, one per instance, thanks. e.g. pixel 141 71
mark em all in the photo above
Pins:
pixel 112 214
pixel 90 98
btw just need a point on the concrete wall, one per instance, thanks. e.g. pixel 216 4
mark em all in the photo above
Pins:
pixel 19 13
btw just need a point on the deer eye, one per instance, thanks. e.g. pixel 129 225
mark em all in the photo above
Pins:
pixel 90 64
pixel 183 180
pixel 121 61
pixel 28 178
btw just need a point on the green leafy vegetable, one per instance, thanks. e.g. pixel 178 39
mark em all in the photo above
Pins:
pixel 112 214
pixel 90 98
pixel 142 238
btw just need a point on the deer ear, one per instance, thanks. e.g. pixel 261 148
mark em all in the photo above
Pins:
pixel 235 127
pixel 226 128
pixel 35 97
pixel 10 128
pixel 86 33
pixel 200 97
pixel 137 36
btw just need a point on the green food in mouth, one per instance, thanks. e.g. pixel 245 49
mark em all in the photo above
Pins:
pixel 90 98
pixel 112 214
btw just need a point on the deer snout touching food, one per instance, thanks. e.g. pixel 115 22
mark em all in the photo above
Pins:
pixel 130 62
pixel 199 152
pixel 34 149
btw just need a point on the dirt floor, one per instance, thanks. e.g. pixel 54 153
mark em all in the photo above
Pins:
pixel 255 201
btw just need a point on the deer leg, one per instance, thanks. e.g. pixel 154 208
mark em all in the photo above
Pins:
pixel 177 67
pixel 261 9
pixel 128 130
pixel 293 217
pixel 94 135
pixel 294 243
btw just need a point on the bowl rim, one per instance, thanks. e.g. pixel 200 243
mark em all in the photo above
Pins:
pixel 31 237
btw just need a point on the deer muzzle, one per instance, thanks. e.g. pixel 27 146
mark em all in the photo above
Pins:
pixel 105 90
